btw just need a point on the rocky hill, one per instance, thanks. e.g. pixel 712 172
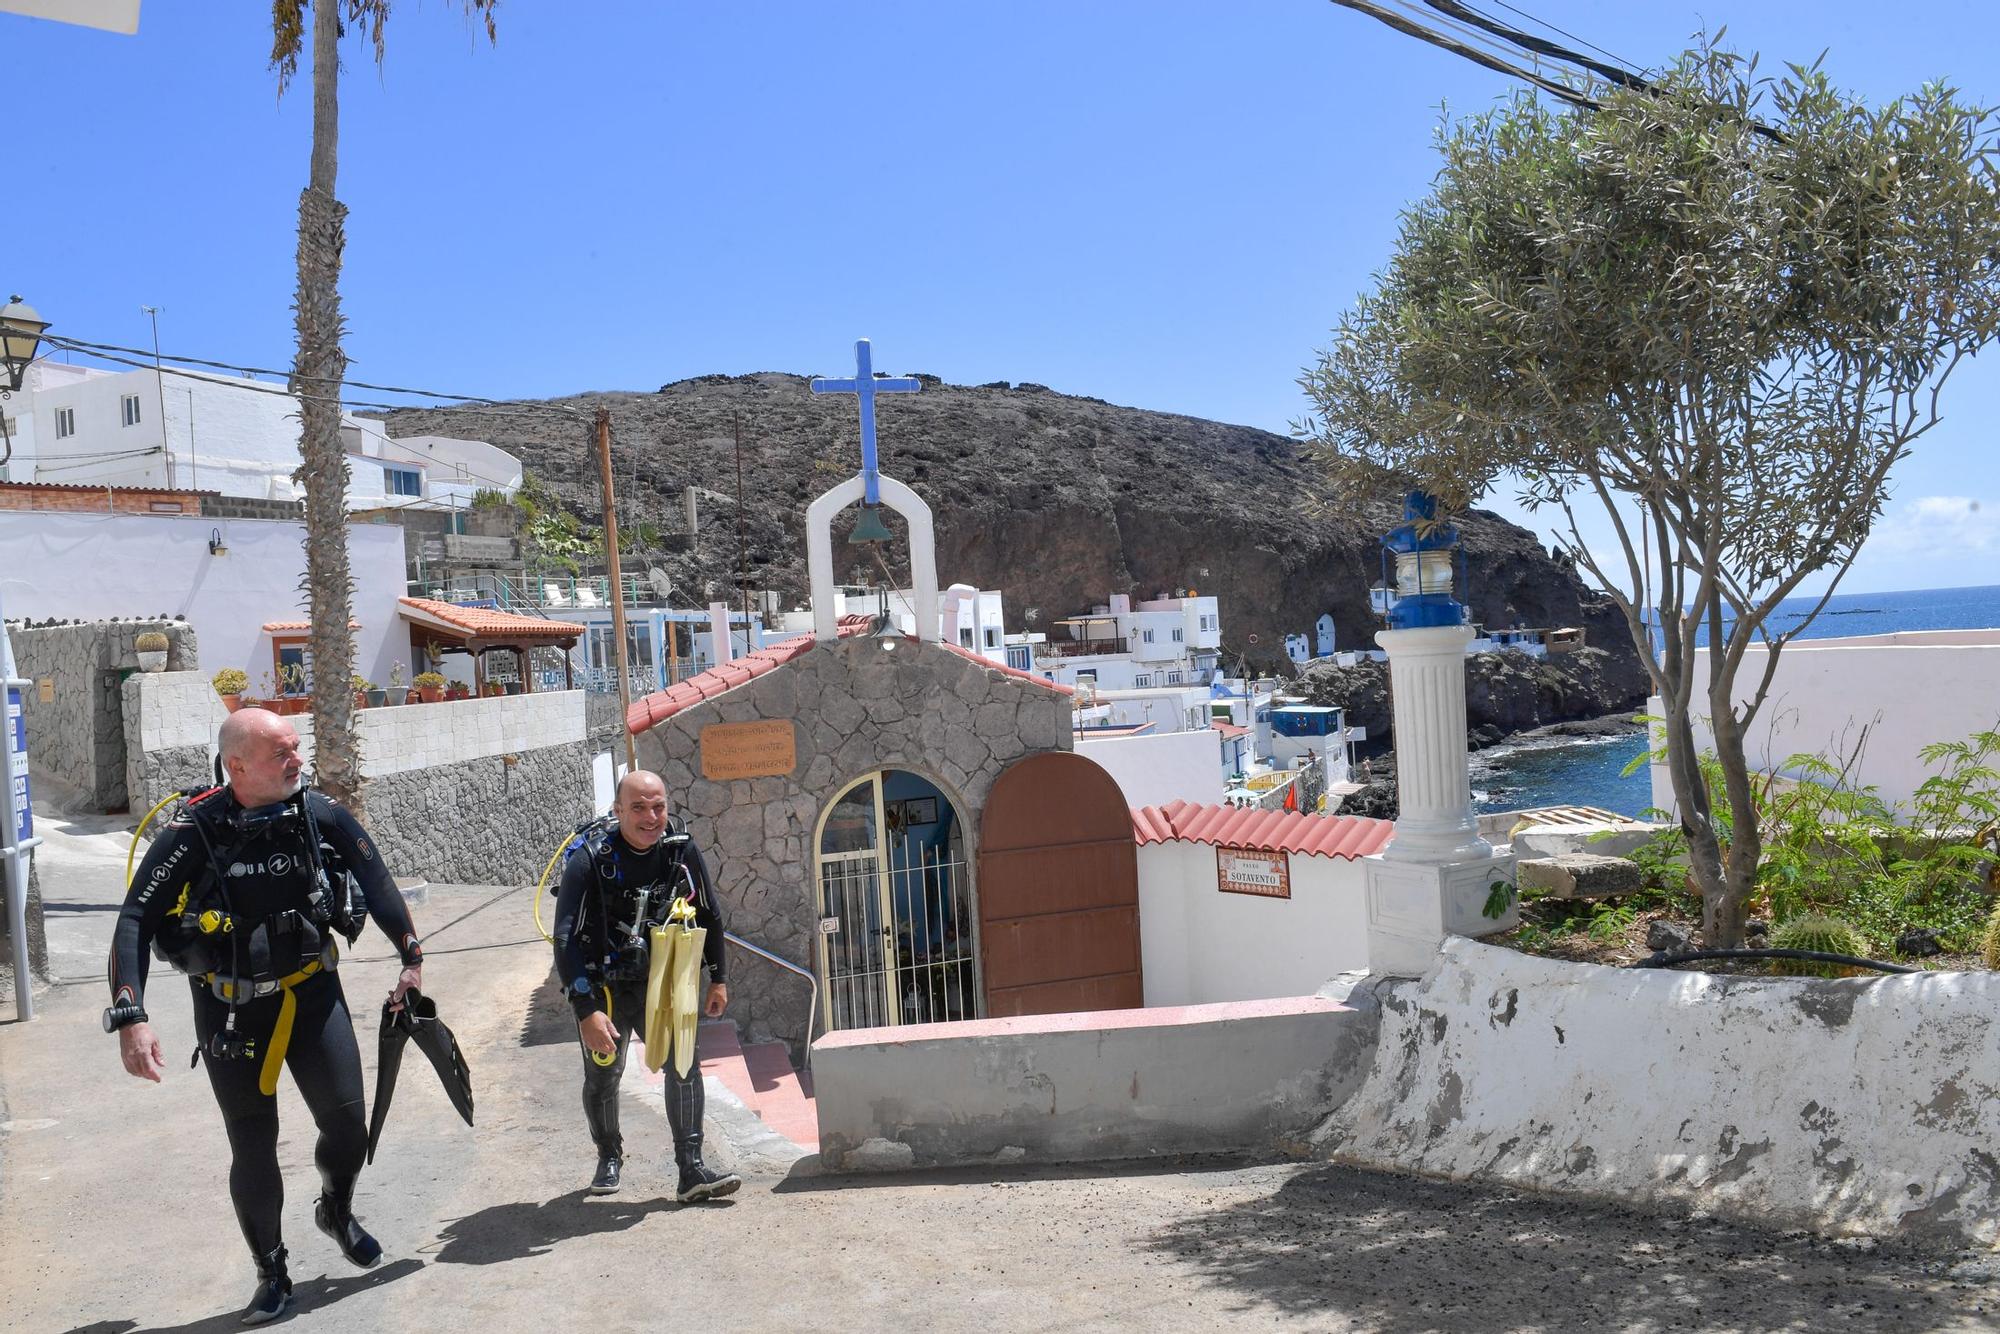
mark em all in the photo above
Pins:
pixel 1056 500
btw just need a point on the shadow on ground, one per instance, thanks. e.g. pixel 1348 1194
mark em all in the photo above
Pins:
pixel 807 1175
pixel 1486 1258
pixel 313 1294
pixel 549 1019
pixel 525 1228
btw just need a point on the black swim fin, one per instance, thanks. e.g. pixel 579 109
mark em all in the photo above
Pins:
pixel 436 1041
pixel 388 1059
pixel 417 1020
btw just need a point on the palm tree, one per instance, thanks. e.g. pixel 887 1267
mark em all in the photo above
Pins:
pixel 318 370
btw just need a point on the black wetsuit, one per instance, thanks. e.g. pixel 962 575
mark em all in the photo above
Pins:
pixel 595 905
pixel 259 858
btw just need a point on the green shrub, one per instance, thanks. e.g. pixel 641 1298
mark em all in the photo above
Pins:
pixel 1825 935
pixel 230 681
pixel 1990 948
pixel 429 681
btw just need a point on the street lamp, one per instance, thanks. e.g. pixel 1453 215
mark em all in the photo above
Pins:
pixel 1427 557
pixel 20 335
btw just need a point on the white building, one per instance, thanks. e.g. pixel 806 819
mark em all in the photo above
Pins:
pixel 972 618
pixel 233 435
pixel 1168 641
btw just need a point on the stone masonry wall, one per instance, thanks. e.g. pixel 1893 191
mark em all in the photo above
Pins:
pixel 79 736
pixel 171 719
pixel 858 705
pixel 488 821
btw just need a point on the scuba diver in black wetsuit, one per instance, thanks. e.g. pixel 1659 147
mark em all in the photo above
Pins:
pixel 246 891
pixel 620 878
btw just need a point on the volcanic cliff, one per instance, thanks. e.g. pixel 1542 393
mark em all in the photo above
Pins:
pixel 1054 499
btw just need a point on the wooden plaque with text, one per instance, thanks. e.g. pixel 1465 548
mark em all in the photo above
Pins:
pixel 748 750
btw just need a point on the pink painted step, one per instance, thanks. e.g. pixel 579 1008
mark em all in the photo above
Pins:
pixel 761 1075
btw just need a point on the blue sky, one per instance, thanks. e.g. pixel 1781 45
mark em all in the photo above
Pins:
pixel 1164 204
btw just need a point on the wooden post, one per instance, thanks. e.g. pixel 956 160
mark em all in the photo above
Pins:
pixel 617 583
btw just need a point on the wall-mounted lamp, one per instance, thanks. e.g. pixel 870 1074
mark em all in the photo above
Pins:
pixel 216 546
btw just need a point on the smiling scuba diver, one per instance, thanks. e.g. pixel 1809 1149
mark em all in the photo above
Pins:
pixel 620 880
pixel 246 890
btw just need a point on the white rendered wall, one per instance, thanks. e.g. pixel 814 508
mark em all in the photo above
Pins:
pixel 1200 945
pixel 1848 1105
pixel 1910 689
pixel 420 736
pixel 1155 770
pixel 95 566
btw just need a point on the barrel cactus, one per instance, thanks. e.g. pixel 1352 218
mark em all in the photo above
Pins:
pixel 1990 948
pixel 1825 935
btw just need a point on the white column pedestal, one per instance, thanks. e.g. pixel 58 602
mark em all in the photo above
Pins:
pixel 1435 823
pixel 1413 906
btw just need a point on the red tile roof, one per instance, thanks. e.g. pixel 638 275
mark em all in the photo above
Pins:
pixel 298 627
pixel 662 705
pixel 1230 731
pixel 1349 836
pixel 484 622
pixel 1015 672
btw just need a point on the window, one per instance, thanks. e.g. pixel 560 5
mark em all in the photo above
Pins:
pixel 1143 682
pixel 1173 678
pixel 164 506
pixel 65 423
pixel 402 482
pixel 965 636
pixel 129 408
pixel 1146 635
pixel 1088 674
pixel 1178 636
pixel 992 637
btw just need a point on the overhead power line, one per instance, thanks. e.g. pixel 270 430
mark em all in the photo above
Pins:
pixel 1529 42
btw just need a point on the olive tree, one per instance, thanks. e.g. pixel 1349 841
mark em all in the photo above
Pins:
pixel 1718 310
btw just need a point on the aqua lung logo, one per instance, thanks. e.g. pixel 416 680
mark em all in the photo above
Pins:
pixel 279 864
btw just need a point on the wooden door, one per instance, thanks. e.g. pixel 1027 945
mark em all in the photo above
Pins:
pixel 1058 890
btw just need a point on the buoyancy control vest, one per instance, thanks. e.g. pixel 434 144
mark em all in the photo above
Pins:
pixel 268 896
pixel 614 925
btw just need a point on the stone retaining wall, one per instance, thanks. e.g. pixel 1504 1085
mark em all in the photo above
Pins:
pixel 488 821
pixel 1866 1106
pixel 856 705
pixel 80 734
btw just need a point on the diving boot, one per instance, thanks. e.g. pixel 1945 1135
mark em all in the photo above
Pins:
pixel 606 1180
pixel 273 1298
pixel 334 1214
pixel 701 1182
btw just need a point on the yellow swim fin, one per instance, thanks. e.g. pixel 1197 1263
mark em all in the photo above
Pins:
pixel 657 1030
pixel 686 995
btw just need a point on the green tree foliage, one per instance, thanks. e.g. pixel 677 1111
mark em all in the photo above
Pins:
pixel 1722 334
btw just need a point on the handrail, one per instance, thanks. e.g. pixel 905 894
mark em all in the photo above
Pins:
pixel 811 978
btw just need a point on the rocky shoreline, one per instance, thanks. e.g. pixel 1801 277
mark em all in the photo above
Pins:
pixel 1377 773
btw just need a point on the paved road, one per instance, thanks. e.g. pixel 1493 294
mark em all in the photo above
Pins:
pixel 114 1214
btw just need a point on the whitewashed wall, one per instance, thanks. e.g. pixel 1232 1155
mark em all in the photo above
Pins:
pixel 95 566
pixel 1155 770
pixel 1850 1105
pixel 1200 945
pixel 426 736
pixel 1909 689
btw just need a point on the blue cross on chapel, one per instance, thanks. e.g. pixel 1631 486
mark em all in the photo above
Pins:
pixel 864 386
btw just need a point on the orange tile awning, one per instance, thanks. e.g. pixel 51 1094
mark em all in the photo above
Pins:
pixel 479 628
pixel 297 627
pixel 1349 836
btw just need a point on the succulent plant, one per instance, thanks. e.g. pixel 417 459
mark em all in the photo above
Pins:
pixel 152 641
pixel 230 681
pixel 429 681
pixel 1824 935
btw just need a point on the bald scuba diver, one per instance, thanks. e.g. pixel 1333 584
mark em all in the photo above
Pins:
pixel 622 878
pixel 247 890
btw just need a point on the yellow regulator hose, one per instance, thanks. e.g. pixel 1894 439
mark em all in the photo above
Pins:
pixel 540 885
pixel 132 853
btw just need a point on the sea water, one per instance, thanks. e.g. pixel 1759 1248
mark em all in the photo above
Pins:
pixel 1586 771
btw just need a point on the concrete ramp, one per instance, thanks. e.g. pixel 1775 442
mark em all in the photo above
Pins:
pixel 1242 1077
pixel 1862 1106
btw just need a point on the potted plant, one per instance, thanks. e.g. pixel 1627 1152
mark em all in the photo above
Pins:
pixel 457 690
pixel 230 683
pixel 430 686
pixel 292 695
pixel 397 694
pixel 152 650
pixel 495 689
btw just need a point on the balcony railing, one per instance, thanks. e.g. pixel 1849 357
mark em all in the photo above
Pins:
pixel 1079 648
pixel 532 593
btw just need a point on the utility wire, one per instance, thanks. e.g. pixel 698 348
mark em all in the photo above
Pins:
pixel 80 345
pixel 1563 32
pixel 1410 28
pixel 1529 42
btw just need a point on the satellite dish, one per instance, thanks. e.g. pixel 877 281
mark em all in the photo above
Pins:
pixel 660 583
pixel 1253 639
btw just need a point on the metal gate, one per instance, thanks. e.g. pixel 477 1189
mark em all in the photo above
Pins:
pixel 895 926
pixel 1058 890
